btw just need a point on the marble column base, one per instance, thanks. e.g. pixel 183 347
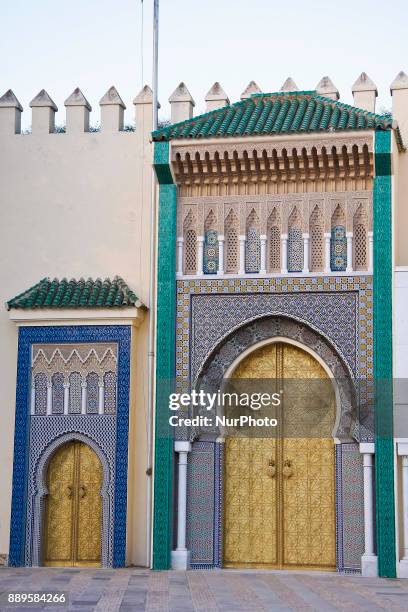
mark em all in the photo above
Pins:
pixel 369 565
pixel 403 568
pixel 180 559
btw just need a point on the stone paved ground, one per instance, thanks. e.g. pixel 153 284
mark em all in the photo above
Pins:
pixel 134 590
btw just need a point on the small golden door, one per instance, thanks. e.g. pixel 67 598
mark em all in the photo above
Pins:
pixel 73 508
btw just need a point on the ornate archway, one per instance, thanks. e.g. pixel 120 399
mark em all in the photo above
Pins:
pixel 269 329
pixel 73 507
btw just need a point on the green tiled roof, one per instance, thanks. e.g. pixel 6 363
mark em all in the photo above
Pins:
pixel 76 294
pixel 276 113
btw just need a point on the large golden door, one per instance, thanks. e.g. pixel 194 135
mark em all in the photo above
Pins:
pixel 73 512
pixel 279 495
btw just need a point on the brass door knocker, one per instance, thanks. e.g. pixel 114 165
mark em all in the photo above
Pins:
pixel 287 468
pixel 271 468
pixel 69 491
pixel 82 491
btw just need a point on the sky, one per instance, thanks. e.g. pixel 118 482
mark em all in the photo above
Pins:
pixel 94 44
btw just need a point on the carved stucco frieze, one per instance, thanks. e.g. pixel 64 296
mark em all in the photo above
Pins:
pixel 195 210
pixel 83 359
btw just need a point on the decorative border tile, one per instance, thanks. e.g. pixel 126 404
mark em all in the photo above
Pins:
pixel 350 507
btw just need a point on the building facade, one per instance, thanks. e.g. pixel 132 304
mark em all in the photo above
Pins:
pixel 281 256
pixel 280 209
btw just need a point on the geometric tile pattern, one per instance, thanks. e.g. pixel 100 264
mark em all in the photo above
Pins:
pixel 338 307
pixel 204 510
pixel 252 250
pixel 338 249
pixel 295 250
pixel 22 443
pixel 200 505
pixel 350 506
pixel 210 262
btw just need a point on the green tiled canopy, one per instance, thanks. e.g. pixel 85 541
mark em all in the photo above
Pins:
pixel 76 294
pixel 276 113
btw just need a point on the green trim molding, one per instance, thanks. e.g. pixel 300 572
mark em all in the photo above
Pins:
pixel 165 359
pixel 383 369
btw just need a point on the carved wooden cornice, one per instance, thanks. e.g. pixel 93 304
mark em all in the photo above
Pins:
pixel 282 165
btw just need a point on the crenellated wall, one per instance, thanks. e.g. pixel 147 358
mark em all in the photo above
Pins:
pixel 75 204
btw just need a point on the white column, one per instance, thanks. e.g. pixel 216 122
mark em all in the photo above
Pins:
pixel 180 249
pixel 370 251
pixel 221 240
pixel 180 558
pixel 101 398
pixel 284 253
pixel 305 253
pixel 263 239
pixel 405 503
pixel 327 238
pixel 49 397
pixel 369 564
pixel 402 449
pixel 66 397
pixel 83 397
pixel 200 255
pixel 32 403
pixel 349 237
pixel 242 240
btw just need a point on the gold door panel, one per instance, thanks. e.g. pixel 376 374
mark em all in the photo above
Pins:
pixel 308 503
pixel 250 499
pixel 60 507
pixel 279 505
pixel 90 507
pixel 73 512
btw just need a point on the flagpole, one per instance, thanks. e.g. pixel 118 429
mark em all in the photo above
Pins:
pixel 152 306
pixel 155 61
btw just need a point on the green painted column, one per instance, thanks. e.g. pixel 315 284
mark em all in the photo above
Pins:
pixel 383 370
pixel 165 358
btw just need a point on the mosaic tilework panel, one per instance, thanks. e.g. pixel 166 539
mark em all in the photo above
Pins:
pixel 201 503
pixel 29 336
pixel 295 250
pixel 339 307
pixel 338 248
pixel 210 265
pixel 333 314
pixel 219 503
pixel 350 506
pixel 252 251
pixel 44 431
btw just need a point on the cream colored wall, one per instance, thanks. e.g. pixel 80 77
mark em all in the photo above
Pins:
pixel 137 524
pixel 400 171
pixel 75 204
pixel 401 209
